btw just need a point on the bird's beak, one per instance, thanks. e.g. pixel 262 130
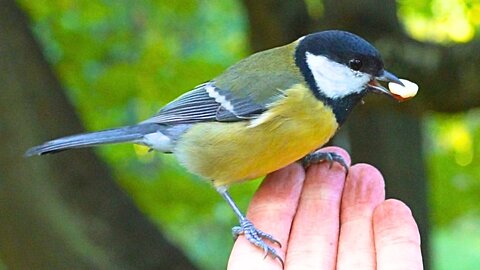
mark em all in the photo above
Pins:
pixel 375 86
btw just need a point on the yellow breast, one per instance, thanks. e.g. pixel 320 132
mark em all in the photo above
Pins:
pixel 226 153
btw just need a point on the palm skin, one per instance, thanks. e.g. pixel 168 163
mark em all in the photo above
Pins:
pixel 327 220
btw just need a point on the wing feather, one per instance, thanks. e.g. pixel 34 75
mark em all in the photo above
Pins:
pixel 242 92
pixel 204 103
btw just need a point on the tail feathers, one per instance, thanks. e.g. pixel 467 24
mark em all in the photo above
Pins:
pixel 116 135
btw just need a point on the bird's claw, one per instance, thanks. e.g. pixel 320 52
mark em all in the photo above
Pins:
pixel 257 237
pixel 319 156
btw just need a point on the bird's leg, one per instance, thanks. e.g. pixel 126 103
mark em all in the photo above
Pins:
pixel 320 156
pixel 246 227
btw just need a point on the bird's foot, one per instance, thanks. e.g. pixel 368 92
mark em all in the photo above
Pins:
pixel 257 237
pixel 319 156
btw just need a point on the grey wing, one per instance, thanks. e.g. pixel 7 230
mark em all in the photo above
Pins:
pixel 204 103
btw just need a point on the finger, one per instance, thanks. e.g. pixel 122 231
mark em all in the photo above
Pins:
pixel 314 237
pixel 271 210
pixel 364 191
pixel 397 238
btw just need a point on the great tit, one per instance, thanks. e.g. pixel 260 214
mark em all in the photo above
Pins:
pixel 269 110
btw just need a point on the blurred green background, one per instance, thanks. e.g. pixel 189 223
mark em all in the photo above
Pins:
pixel 121 60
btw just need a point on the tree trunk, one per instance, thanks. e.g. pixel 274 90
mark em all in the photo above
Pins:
pixel 274 23
pixel 382 133
pixel 62 211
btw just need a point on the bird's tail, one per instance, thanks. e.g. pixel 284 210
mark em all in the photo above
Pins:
pixel 116 135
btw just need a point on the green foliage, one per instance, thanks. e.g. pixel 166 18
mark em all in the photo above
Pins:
pixel 120 62
pixel 441 20
pixel 456 246
pixel 454 165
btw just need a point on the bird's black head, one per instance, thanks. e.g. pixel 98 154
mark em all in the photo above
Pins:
pixel 345 48
pixel 340 67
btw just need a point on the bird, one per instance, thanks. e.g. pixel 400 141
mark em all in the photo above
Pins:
pixel 271 109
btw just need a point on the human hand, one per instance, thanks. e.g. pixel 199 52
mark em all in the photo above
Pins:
pixel 325 220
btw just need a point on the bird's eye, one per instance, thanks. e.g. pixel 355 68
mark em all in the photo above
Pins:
pixel 355 64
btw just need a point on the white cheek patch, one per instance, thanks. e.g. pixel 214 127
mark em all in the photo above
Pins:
pixel 157 141
pixel 333 79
